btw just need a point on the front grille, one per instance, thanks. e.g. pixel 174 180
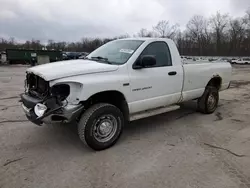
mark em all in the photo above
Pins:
pixel 37 86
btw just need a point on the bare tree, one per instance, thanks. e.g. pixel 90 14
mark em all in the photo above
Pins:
pixel 248 14
pixel 144 33
pixel 217 35
pixel 236 33
pixel 247 21
pixel 180 42
pixel 123 36
pixel 246 42
pixel 50 44
pixel 165 30
pixel 197 28
pixel 219 22
pixel 12 40
pixel 35 44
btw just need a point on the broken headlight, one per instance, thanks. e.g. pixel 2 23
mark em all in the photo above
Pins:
pixel 61 91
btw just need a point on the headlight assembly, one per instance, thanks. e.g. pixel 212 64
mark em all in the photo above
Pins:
pixel 40 109
pixel 61 91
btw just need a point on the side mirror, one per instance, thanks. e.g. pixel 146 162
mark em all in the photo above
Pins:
pixel 148 61
pixel 145 61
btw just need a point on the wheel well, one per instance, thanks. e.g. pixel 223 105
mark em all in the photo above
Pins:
pixel 216 82
pixel 115 98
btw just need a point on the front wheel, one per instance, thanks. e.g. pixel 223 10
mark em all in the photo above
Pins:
pixel 101 126
pixel 208 102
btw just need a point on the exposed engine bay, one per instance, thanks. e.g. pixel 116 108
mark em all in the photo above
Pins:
pixel 36 86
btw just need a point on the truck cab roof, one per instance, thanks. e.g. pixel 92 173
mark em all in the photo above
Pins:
pixel 148 39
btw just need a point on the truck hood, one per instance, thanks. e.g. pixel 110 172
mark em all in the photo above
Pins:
pixel 61 69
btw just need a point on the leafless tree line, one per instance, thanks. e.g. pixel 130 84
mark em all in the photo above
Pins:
pixel 219 34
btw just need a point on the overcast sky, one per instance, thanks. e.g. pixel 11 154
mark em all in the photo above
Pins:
pixel 70 20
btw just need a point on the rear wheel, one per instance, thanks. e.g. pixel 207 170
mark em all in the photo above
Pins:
pixel 208 102
pixel 101 126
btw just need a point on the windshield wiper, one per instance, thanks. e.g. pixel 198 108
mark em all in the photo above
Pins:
pixel 101 58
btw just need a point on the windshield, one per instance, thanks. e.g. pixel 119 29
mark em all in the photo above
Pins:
pixel 115 52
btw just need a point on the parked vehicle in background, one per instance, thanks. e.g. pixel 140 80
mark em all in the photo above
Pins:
pixel 123 80
pixel 23 56
pixel 241 61
pixel 201 59
pixel 184 59
pixel 222 59
pixel 83 55
pixel 72 55
pixel 64 56
pixel 3 58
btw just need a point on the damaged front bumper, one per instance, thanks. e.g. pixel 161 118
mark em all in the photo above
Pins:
pixel 54 113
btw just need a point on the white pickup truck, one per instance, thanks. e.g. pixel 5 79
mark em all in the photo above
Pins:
pixel 121 81
pixel 241 61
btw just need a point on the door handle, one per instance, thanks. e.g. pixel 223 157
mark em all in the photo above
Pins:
pixel 172 73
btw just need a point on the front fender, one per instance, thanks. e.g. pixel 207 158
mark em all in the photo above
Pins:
pixel 75 90
pixel 84 86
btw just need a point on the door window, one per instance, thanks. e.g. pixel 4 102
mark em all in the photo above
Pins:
pixel 160 51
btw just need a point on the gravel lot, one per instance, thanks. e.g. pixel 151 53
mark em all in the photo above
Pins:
pixel 179 149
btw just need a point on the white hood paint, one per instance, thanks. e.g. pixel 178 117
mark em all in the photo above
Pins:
pixel 56 70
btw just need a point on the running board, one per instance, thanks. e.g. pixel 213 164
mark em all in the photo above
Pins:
pixel 153 112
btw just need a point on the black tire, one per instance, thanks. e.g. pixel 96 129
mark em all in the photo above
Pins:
pixel 204 102
pixel 98 115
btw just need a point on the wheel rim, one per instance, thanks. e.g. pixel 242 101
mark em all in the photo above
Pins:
pixel 105 128
pixel 211 101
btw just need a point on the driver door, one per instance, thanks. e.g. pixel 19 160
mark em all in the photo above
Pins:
pixel 156 86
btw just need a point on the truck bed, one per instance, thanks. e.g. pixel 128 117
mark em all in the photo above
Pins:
pixel 197 74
